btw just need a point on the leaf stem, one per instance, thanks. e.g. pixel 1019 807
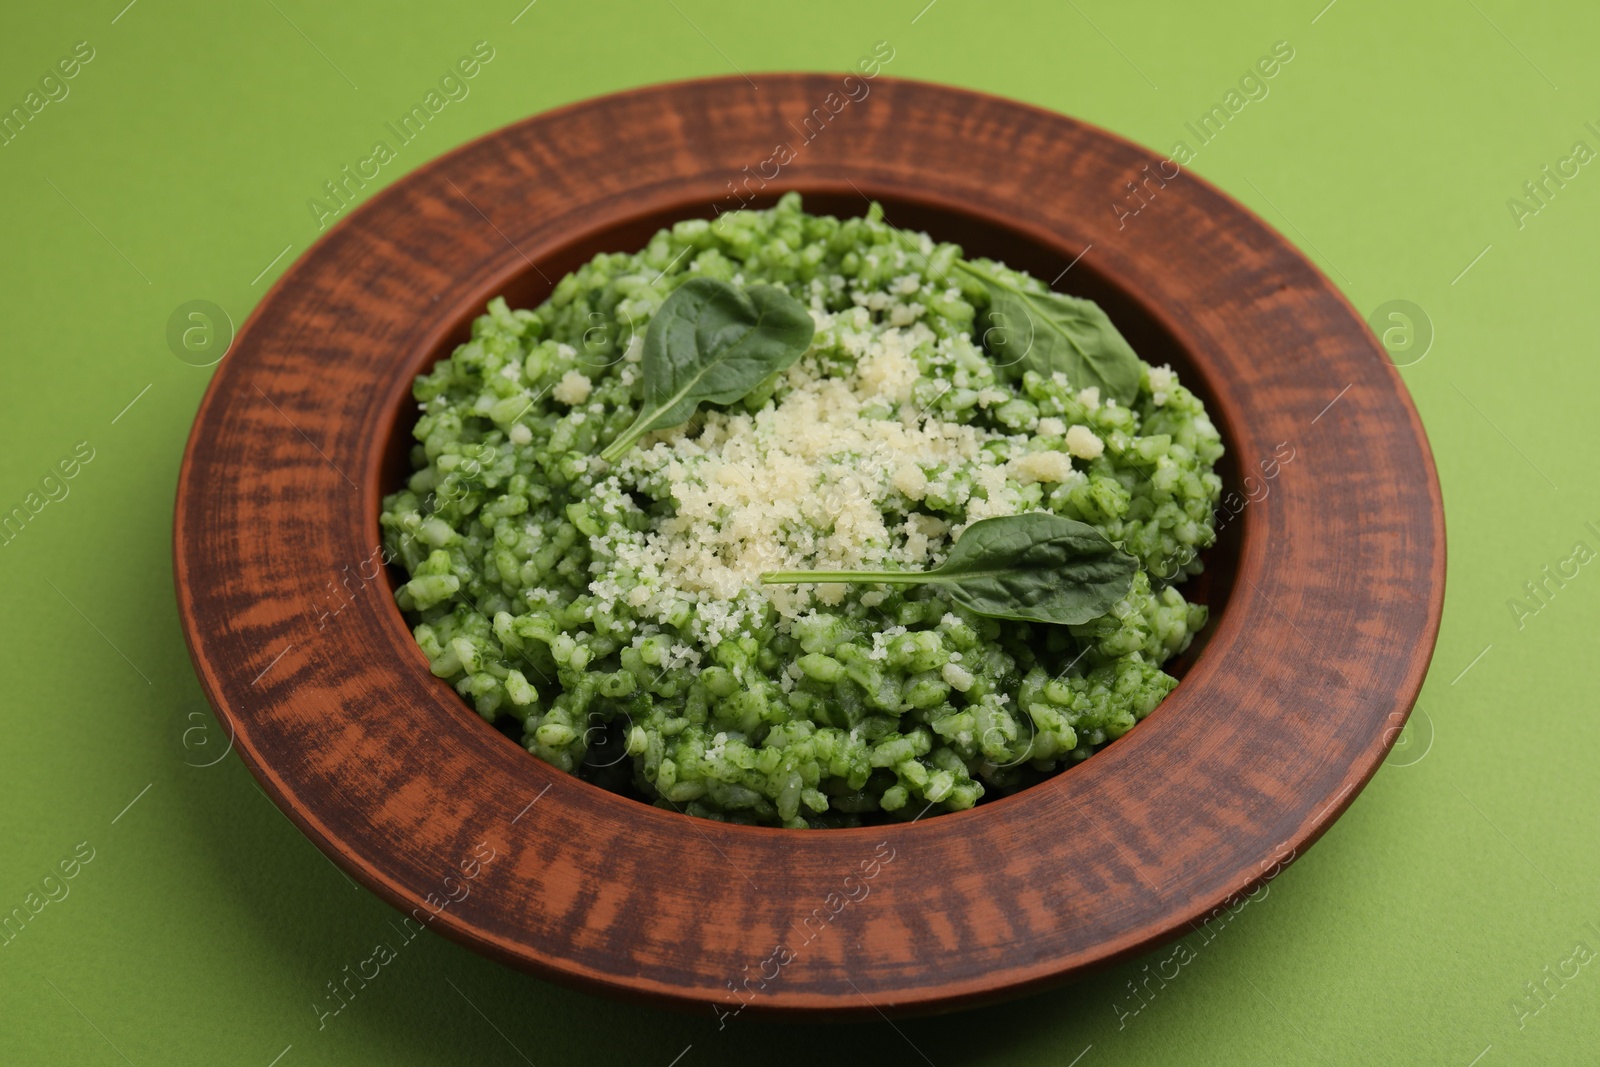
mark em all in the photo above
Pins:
pixel 990 278
pixel 613 452
pixel 886 577
pixel 980 273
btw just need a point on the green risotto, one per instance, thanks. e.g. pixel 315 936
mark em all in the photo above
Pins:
pixel 611 613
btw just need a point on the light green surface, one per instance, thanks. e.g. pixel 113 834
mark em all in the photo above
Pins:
pixel 205 925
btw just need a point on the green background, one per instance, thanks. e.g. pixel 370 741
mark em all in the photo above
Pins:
pixel 180 166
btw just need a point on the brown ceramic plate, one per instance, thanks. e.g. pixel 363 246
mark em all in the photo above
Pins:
pixel 1325 590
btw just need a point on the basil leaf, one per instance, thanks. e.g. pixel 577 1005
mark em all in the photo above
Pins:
pixel 712 343
pixel 1050 332
pixel 1036 567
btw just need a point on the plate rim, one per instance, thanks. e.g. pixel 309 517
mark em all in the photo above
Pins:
pixel 944 995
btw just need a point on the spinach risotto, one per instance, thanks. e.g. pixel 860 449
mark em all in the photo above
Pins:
pixel 804 521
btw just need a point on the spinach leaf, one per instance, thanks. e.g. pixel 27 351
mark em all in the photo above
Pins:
pixel 1049 332
pixel 712 343
pixel 1036 567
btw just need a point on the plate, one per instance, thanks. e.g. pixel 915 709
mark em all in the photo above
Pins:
pixel 1326 584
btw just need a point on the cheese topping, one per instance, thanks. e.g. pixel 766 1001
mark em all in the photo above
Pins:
pixel 1161 382
pixel 1082 442
pixel 573 388
pixel 820 478
pixel 1042 466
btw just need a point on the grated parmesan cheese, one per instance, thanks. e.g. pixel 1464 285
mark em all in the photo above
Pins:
pixel 573 388
pixel 1161 381
pixel 808 481
pixel 1082 442
pixel 1042 466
